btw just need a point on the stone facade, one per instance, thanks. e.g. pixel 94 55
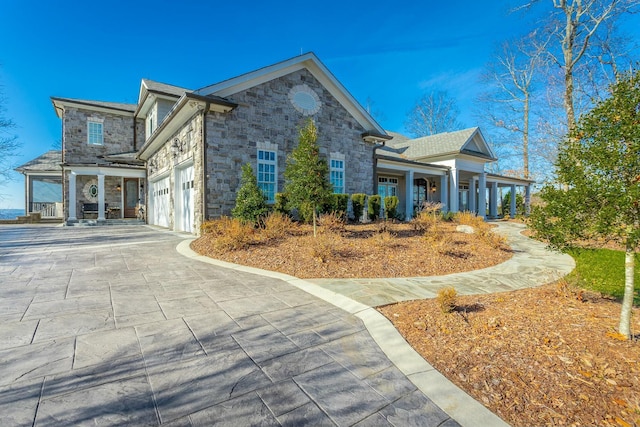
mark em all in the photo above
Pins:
pixel 167 160
pixel 265 115
pixel 117 131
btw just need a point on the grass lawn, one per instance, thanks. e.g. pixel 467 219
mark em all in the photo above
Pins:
pixel 602 270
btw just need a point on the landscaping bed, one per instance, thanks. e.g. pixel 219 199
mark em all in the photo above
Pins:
pixel 546 356
pixel 360 251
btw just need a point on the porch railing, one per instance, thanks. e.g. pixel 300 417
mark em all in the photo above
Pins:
pixel 47 209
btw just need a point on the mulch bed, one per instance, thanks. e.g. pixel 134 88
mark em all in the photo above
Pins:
pixel 546 356
pixel 363 251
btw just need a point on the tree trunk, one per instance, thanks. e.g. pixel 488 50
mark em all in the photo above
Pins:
pixel 525 137
pixel 314 221
pixel 627 301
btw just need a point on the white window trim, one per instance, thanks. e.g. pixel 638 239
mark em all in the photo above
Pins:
pixel 341 158
pixel 95 121
pixel 268 147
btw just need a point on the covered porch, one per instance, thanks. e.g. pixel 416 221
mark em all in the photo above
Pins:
pixel 414 183
pixel 103 192
pixel 482 193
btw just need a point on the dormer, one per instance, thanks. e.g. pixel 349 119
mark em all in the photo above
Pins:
pixel 155 101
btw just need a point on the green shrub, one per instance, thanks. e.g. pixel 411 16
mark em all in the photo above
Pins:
pixel 390 206
pixel 336 203
pixel 357 205
pixel 373 208
pixel 251 204
pixel 280 204
pixel 506 204
pixel 447 216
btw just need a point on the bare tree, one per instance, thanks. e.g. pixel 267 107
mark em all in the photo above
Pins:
pixel 9 144
pixel 435 112
pixel 576 25
pixel 510 79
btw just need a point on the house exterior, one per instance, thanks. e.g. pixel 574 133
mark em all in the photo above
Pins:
pixel 177 154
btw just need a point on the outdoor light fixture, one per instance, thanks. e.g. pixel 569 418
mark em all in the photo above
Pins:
pixel 118 187
pixel 177 147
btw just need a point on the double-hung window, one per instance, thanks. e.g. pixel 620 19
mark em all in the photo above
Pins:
pixel 336 175
pixel 94 133
pixel 267 173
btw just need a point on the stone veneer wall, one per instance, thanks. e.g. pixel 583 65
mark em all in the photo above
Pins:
pixel 117 130
pixel 165 165
pixel 265 115
pixel 112 196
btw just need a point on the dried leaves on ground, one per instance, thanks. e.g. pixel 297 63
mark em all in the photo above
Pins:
pixel 360 251
pixel 546 356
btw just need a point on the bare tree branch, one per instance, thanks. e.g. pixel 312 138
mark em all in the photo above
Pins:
pixel 434 113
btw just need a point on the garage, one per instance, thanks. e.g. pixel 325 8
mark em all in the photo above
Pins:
pixel 184 199
pixel 159 202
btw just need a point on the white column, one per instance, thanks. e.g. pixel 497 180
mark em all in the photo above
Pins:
pixel 443 192
pixel 527 200
pixel 101 197
pixel 482 195
pixel 453 194
pixel 513 201
pixel 72 197
pixel 493 200
pixel 472 195
pixel 409 195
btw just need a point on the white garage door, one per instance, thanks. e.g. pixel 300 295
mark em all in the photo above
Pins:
pixel 159 201
pixel 184 199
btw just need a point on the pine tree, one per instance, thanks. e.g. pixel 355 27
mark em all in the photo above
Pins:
pixel 306 175
pixel 251 203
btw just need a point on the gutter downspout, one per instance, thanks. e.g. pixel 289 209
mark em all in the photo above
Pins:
pixel 204 164
pixel 375 167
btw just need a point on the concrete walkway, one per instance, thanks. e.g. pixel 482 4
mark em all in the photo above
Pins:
pixel 112 326
pixel 531 265
pixel 128 326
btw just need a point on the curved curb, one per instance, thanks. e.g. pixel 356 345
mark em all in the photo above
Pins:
pixel 454 401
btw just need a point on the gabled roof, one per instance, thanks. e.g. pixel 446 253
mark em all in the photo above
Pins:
pixel 47 162
pixel 467 141
pixel 307 61
pixel 113 107
pixel 163 88
pixel 150 89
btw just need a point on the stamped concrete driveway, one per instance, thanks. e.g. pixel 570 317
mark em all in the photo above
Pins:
pixel 111 326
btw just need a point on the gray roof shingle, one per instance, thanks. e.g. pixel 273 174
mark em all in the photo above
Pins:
pixel 164 88
pixel 112 105
pixel 49 161
pixel 433 145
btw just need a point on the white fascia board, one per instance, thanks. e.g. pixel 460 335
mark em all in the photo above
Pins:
pixel 315 67
pixel 107 171
pixel 184 109
pixel 507 180
pixel 43 173
pixel 479 137
pixel 404 167
pixel 60 106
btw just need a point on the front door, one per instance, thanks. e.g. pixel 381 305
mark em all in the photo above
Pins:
pixel 130 197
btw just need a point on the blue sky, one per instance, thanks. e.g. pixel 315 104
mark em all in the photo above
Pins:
pixel 389 52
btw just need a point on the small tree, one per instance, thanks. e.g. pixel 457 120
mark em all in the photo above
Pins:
pixel 390 206
pixel 599 170
pixel 251 203
pixel 506 204
pixel 306 174
pixel 357 204
pixel 374 207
